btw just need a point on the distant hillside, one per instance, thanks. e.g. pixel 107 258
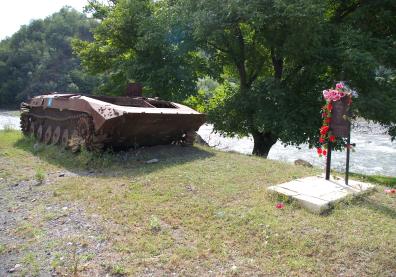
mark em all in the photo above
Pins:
pixel 38 58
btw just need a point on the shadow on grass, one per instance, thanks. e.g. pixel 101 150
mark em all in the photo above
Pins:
pixel 108 163
pixel 372 204
pixel 379 207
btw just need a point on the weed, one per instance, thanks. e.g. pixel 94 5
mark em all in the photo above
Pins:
pixel 155 224
pixel 39 176
pixel 31 263
pixel 75 260
pixel 3 248
pixel 29 230
pixel 87 257
pixel 118 269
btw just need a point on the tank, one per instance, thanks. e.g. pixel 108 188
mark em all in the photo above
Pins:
pixel 98 122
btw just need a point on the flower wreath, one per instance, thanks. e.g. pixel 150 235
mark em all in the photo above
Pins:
pixel 331 95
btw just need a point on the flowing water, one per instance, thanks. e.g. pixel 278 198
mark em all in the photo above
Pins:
pixel 374 151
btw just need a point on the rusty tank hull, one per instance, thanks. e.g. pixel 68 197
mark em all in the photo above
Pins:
pixel 98 122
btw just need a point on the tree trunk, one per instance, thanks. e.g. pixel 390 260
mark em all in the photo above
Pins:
pixel 263 143
pixel 277 63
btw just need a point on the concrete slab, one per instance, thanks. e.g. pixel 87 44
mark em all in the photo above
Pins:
pixel 317 194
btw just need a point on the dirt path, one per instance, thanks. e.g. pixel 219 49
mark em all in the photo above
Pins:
pixel 42 238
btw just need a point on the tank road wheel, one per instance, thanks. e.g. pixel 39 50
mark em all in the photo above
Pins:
pixel 76 141
pixel 39 133
pixel 188 138
pixel 85 132
pixel 83 127
pixel 65 138
pixel 56 135
pixel 32 128
pixel 48 135
pixel 25 124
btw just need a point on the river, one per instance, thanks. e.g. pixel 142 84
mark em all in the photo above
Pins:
pixel 374 152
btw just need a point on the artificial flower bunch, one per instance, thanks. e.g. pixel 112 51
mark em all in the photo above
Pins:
pixel 331 95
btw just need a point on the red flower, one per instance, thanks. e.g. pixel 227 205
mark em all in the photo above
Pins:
pixel 319 150
pixel 324 130
pixel 327 120
pixel 330 106
pixel 321 140
pixel 324 115
pixel 324 152
pixel 332 138
pixel 280 205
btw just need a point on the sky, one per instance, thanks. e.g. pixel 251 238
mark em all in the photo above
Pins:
pixel 15 13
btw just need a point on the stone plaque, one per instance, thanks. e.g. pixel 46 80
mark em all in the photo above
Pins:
pixel 340 125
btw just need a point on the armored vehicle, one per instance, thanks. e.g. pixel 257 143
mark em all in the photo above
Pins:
pixel 97 122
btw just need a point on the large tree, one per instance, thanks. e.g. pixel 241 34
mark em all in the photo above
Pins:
pixel 39 59
pixel 271 58
pixel 140 41
pixel 277 56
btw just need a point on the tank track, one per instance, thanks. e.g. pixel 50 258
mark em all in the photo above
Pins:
pixel 72 130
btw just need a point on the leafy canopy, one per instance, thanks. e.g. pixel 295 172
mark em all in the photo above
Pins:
pixel 137 42
pixel 270 59
pixel 38 58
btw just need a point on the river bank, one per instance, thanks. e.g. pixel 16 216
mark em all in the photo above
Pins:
pixel 374 151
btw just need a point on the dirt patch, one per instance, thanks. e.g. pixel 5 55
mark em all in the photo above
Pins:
pixel 42 238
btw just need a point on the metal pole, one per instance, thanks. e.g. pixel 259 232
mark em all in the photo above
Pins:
pixel 348 154
pixel 328 161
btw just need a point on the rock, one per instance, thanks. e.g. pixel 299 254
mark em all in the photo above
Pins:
pixel 302 163
pixel 152 161
pixel 15 268
pixel 199 140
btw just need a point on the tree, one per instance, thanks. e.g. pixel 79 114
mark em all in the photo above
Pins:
pixel 38 58
pixel 277 56
pixel 270 58
pixel 136 42
pixel 367 56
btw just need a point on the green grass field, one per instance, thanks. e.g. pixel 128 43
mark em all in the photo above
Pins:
pixel 202 212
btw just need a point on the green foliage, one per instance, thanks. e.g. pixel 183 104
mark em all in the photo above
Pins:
pixel 268 61
pixel 38 58
pixel 141 41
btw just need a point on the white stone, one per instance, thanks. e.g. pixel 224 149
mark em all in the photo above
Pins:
pixel 317 194
pixel 152 161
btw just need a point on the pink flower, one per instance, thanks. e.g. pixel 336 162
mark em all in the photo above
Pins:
pixel 340 85
pixel 390 191
pixel 325 94
pixel 280 205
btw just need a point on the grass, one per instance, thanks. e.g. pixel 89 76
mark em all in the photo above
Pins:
pixel 8 128
pixel 376 179
pixel 39 176
pixel 200 212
